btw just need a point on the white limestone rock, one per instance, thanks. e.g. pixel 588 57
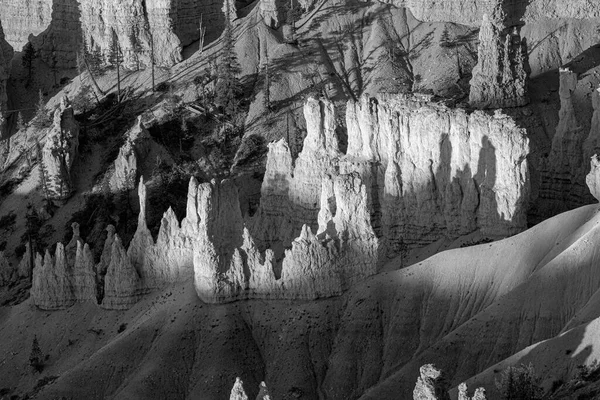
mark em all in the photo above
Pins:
pixel 430 384
pixel 51 286
pixel 59 152
pixel 122 283
pixel 131 154
pixel 84 278
pixel 237 392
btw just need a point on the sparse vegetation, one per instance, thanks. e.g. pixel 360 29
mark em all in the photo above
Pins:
pixel 520 383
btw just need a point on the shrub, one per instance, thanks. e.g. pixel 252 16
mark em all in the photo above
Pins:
pixel 588 373
pixel 520 383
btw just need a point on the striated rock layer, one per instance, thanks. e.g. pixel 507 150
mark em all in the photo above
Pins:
pixel 59 152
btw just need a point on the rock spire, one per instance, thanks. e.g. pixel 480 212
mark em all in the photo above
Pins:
pixel 499 78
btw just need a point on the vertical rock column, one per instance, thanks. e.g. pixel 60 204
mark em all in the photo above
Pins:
pixel 499 78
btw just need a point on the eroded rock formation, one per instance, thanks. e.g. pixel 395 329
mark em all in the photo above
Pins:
pixel 131 154
pixel 64 278
pixel 430 384
pixel 499 78
pixel 59 152
pixel 463 394
pixel 331 219
pixel 237 392
pixel 430 172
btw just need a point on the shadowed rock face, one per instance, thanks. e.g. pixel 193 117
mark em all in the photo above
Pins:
pixel 59 152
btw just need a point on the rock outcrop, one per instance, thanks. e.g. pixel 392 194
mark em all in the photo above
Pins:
pixel 430 384
pixel 463 394
pixel 237 392
pixel 270 13
pixel 59 152
pixel 591 145
pixel 131 154
pixel 499 78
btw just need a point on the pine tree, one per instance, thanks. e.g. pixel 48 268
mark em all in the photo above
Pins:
pixel 267 73
pixel 89 62
pixel 54 65
pixel 228 86
pixel 115 57
pixel 27 60
pixel 36 358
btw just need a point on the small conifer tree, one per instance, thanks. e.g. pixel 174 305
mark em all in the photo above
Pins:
pixel 115 57
pixel 36 358
pixel 228 87
pixel 27 60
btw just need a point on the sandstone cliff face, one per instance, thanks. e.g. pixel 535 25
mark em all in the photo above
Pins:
pixel 57 45
pixel 59 152
pixel 21 19
pixel 499 78
pixel 132 153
